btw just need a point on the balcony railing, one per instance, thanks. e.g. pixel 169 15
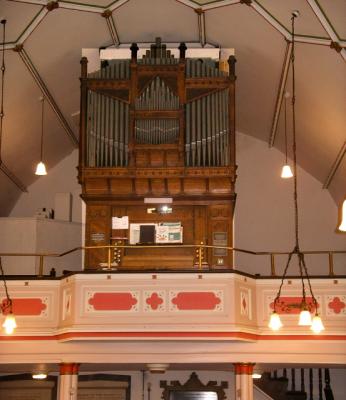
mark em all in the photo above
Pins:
pixel 113 255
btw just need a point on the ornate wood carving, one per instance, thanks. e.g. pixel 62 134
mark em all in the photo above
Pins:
pixel 193 385
pixel 158 127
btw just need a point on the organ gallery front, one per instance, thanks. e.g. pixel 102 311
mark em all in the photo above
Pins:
pixel 157 159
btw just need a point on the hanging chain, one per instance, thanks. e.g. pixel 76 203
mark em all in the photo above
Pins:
pixel 295 196
pixel 8 304
pixel 285 109
pixel 42 118
pixel 301 259
pixel 3 22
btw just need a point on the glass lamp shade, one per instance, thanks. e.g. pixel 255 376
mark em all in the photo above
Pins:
pixel 275 322
pixel 286 172
pixel 317 324
pixel 41 169
pixel 342 226
pixel 9 324
pixel 304 318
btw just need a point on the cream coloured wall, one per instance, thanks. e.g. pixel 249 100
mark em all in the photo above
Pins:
pixel 61 178
pixel 35 235
pixel 264 210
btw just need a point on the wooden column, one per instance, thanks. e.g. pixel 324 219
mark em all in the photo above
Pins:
pixel 243 381
pixel 68 381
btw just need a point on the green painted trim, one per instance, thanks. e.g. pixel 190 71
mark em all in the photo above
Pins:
pixel 313 37
pixel 83 4
pixel 32 20
pixel 328 20
pixel 206 3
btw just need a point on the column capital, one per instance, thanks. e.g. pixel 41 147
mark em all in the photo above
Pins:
pixel 69 368
pixel 243 368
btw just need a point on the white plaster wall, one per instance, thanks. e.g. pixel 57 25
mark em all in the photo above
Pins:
pixel 18 235
pixel 56 237
pixel 61 178
pixel 264 210
pixel 33 235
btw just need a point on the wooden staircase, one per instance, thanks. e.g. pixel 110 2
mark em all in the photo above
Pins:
pixel 286 388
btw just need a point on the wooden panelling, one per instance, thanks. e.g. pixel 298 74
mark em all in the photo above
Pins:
pixel 195 186
pixel 121 186
pixel 142 186
pixel 220 185
pixel 98 220
pixel 158 187
pixel 157 158
pixel 142 158
pixel 96 186
pixel 174 186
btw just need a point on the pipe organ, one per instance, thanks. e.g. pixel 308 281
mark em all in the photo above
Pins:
pixel 153 130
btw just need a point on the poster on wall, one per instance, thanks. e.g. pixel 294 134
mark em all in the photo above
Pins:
pixel 160 233
pixel 120 222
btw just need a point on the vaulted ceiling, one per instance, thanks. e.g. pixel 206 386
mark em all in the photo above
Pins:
pixel 44 42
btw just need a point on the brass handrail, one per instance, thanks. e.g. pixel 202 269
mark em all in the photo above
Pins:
pixel 199 248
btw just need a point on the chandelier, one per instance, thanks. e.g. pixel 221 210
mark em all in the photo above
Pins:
pixel 305 318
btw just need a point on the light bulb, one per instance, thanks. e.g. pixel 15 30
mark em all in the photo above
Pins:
pixel 275 322
pixel 41 169
pixel 286 172
pixel 317 324
pixel 304 318
pixel 9 324
pixel 342 226
pixel 256 375
pixel 39 375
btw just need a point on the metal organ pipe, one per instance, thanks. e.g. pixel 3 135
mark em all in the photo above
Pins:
pixel 206 118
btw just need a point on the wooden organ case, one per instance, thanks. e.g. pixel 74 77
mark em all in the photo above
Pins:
pixel 152 129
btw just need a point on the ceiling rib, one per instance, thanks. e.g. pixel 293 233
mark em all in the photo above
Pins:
pixel 107 14
pixel 117 4
pixel 11 176
pixel 33 25
pixel 326 25
pixel 253 3
pixel 219 4
pixel 189 3
pixel 312 40
pixel 80 7
pixel 34 73
pixel 335 166
pixel 201 26
pixel 269 18
pixel 280 94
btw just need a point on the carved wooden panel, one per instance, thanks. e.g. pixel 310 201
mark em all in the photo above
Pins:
pixel 98 226
pixel 121 186
pixel 220 217
pixel 193 389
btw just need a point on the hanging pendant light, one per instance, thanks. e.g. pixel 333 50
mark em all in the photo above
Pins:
pixel 275 322
pixel 41 168
pixel 9 324
pixel 286 171
pixel 342 226
pixel 317 324
pixel 305 315
pixel 6 308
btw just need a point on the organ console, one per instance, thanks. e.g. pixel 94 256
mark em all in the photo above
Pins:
pixel 158 130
